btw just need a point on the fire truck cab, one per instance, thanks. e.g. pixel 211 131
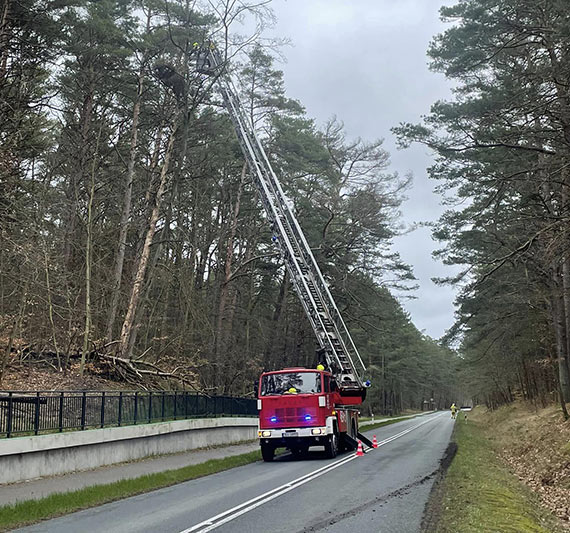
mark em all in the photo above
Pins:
pixel 300 408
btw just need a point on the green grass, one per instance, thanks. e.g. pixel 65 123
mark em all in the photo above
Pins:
pixel 32 511
pixel 479 494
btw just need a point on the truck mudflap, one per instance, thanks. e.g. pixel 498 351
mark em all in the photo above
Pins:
pixel 350 443
pixel 365 440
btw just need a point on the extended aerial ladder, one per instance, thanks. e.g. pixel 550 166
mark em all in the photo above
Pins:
pixel 333 337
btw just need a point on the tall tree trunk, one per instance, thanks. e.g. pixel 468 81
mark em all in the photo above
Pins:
pixel 222 322
pixel 4 37
pixel 559 324
pixel 566 324
pixel 559 73
pixel 275 321
pixel 50 308
pixel 165 234
pixel 126 212
pixel 124 344
pixel 16 325
pixel 88 260
pixel 78 176
pixel 566 281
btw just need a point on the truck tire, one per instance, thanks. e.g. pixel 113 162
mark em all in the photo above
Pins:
pixel 331 445
pixel 267 452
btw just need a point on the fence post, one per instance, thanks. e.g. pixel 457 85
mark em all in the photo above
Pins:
pixel 119 415
pixel 103 409
pixel 162 407
pixel 37 414
pixel 175 400
pixel 9 421
pixel 60 416
pixel 149 406
pixel 136 405
pixel 83 405
pixel 185 404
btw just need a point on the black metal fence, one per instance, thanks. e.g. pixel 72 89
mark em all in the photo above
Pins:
pixel 29 413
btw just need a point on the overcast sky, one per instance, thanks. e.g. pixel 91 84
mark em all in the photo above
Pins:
pixel 365 62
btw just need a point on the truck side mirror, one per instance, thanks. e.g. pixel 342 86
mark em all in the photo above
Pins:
pixel 256 389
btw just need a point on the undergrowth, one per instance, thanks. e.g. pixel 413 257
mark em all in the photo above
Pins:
pixel 479 493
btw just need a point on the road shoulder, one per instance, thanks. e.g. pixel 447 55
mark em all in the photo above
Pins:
pixel 479 493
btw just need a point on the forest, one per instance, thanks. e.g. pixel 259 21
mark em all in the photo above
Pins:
pixel 502 164
pixel 133 242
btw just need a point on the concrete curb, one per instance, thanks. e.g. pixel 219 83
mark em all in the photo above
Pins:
pixel 24 458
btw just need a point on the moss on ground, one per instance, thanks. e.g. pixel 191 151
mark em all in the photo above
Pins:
pixel 479 494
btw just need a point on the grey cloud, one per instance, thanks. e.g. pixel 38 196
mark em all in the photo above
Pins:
pixel 365 61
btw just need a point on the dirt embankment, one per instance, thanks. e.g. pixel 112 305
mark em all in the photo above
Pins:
pixel 498 453
pixel 535 443
pixel 37 377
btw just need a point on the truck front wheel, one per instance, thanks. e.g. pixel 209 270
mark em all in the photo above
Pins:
pixel 331 445
pixel 267 452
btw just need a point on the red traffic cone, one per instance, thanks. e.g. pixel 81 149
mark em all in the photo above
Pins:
pixel 374 442
pixel 359 451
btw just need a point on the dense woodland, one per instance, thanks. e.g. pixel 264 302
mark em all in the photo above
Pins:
pixel 503 164
pixel 132 240
pixel 131 235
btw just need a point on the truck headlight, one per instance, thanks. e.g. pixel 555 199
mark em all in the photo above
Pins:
pixel 317 431
pixel 264 433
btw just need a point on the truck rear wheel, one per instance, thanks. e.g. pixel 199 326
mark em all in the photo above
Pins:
pixel 267 452
pixel 331 445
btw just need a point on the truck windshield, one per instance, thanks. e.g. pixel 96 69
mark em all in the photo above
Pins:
pixel 302 382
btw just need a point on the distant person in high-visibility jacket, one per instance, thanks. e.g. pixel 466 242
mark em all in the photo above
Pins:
pixel 453 410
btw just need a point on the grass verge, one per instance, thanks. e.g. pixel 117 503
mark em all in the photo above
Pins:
pixel 480 494
pixel 29 512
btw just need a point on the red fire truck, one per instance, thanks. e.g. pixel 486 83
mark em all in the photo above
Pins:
pixel 298 407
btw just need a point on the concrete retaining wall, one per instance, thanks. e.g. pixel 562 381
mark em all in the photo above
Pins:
pixel 23 458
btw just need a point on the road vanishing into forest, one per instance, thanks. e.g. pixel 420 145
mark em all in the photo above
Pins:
pixel 384 491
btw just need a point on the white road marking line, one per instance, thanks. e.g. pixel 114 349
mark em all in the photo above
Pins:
pixel 289 486
pixel 257 502
pixel 235 512
pixel 406 431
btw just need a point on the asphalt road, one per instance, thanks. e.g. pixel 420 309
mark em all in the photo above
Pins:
pixel 384 491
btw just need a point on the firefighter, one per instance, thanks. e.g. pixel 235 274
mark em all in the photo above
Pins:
pixel 292 390
pixel 453 410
